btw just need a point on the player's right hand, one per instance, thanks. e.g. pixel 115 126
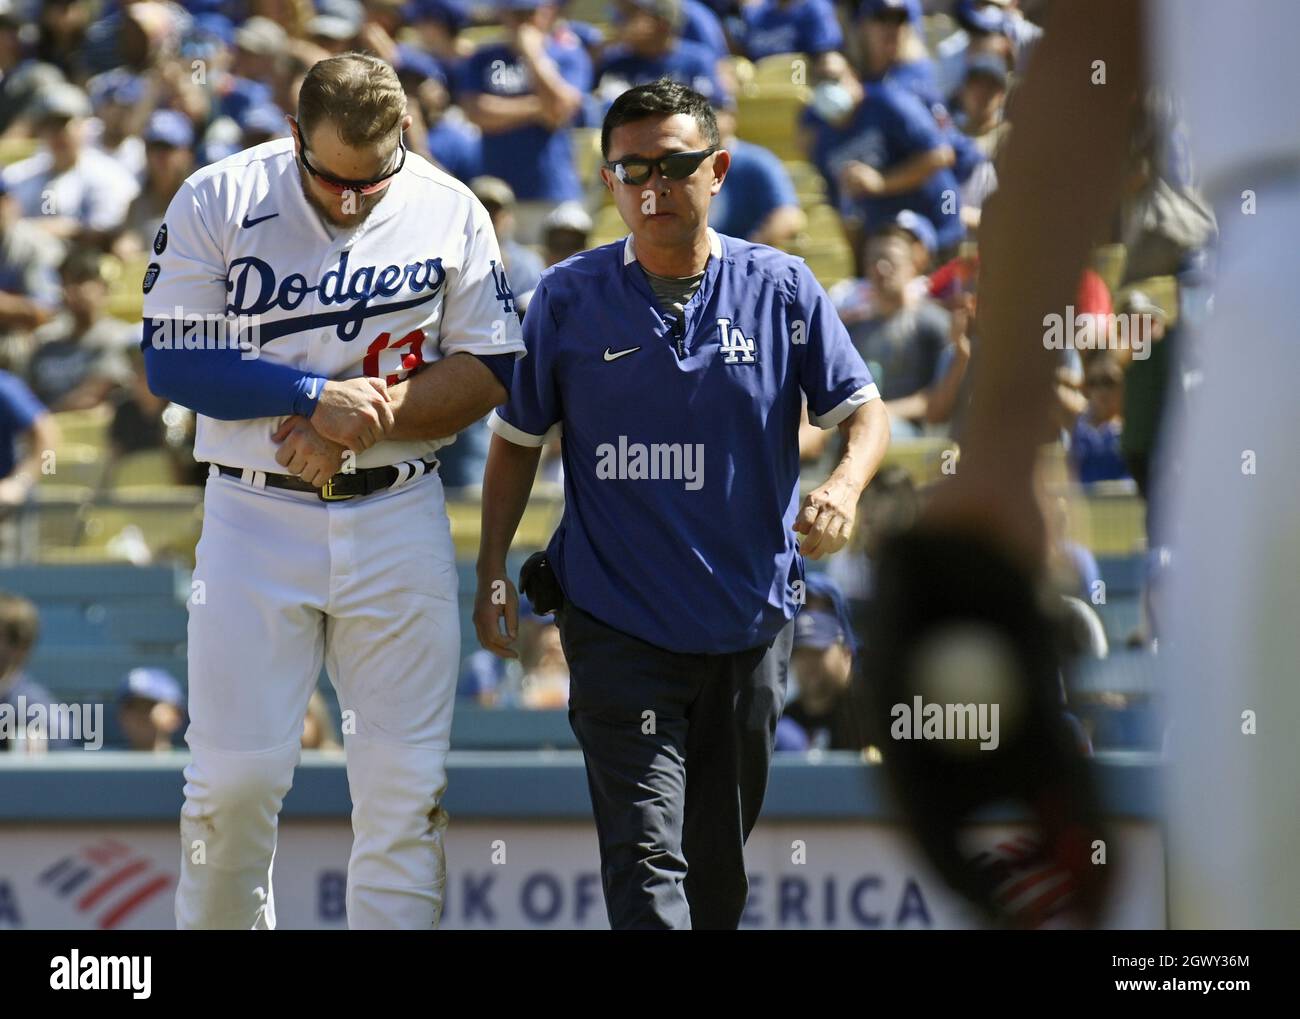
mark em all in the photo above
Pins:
pixel 355 413
pixel 497 599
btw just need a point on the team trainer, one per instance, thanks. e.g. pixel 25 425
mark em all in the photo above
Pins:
pixel 675 364
pixel 384 324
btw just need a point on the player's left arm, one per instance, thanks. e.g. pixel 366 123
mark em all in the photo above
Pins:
pixel 841 394
pixel 444 398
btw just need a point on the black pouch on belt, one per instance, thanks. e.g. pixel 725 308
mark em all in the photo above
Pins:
pixel 538 583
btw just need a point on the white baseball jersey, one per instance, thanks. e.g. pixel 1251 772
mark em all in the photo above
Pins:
pixel 419 279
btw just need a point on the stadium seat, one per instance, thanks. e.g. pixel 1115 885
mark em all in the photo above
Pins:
pixel 586 153
pixel 1163 291
pixel 157 529
pixel 84 427
pixel 74 465
pixel 150 468
pixel 125 299
pixel 14 149
pixel 85 584
pixel 808 183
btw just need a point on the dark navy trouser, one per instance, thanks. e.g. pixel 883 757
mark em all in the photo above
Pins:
pixel 677 748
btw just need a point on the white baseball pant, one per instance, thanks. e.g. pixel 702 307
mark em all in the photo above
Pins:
pixel 284 582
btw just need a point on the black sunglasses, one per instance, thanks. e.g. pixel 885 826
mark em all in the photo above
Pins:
pixel 339 185
pixel 636 170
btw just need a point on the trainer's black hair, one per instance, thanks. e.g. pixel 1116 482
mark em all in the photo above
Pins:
pixel 661 98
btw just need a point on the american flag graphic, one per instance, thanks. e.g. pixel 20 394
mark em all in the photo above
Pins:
pixel 107 881
pixel 1030 886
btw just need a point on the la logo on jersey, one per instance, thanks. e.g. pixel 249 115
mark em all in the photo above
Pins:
pixel 504 294
pixel 737 348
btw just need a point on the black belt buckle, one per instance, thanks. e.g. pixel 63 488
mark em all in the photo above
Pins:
pixel 328 492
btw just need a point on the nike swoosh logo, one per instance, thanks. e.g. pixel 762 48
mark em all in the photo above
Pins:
pixel 260 219
pixel 611 356
pixel 315 385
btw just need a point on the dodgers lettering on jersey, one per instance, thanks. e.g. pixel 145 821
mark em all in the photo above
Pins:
pixel 681 441
pixel 419 279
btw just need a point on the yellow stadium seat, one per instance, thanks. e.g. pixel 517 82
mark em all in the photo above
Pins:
pixel 609 226
pixel 73 464
pixel 808 183
pixel 771 121
pixel 150 468
pixel 780 74
pixel 923 458
pixel 14 149
pixel 165 530
pixel 586 153
pixel 125 298
pixel 535 529
pixel 1163 291
pixel 483 35
pixel 84 427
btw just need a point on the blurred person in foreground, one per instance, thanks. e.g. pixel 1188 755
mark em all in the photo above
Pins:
pixel 150 710
pixel 959 604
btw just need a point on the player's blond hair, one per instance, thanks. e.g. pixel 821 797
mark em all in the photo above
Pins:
pixel 357 93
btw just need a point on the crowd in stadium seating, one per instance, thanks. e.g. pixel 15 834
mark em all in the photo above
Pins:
pixel 107 105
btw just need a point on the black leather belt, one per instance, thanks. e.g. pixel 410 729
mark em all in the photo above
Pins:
pixel 344 485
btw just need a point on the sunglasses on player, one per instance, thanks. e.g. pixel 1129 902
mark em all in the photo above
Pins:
pixel 637 170
pixel 339 186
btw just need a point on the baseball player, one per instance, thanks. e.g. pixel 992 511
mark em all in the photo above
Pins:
pixel 375 322
pixel 675 365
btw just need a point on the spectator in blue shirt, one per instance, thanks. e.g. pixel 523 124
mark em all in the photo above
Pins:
pixel 19 693
pixel 675 573
pixel 651 47
pixel 892 50
pixel 523 93
pixel 438 25
pixel 1095 453
pixel 29 280
pixel 150 710
pixel 881 152
pixel 451 141
pixel 758 201
pixel 25 423
pixel 790 26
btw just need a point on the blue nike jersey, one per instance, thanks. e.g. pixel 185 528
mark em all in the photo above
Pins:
pixel 681 437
